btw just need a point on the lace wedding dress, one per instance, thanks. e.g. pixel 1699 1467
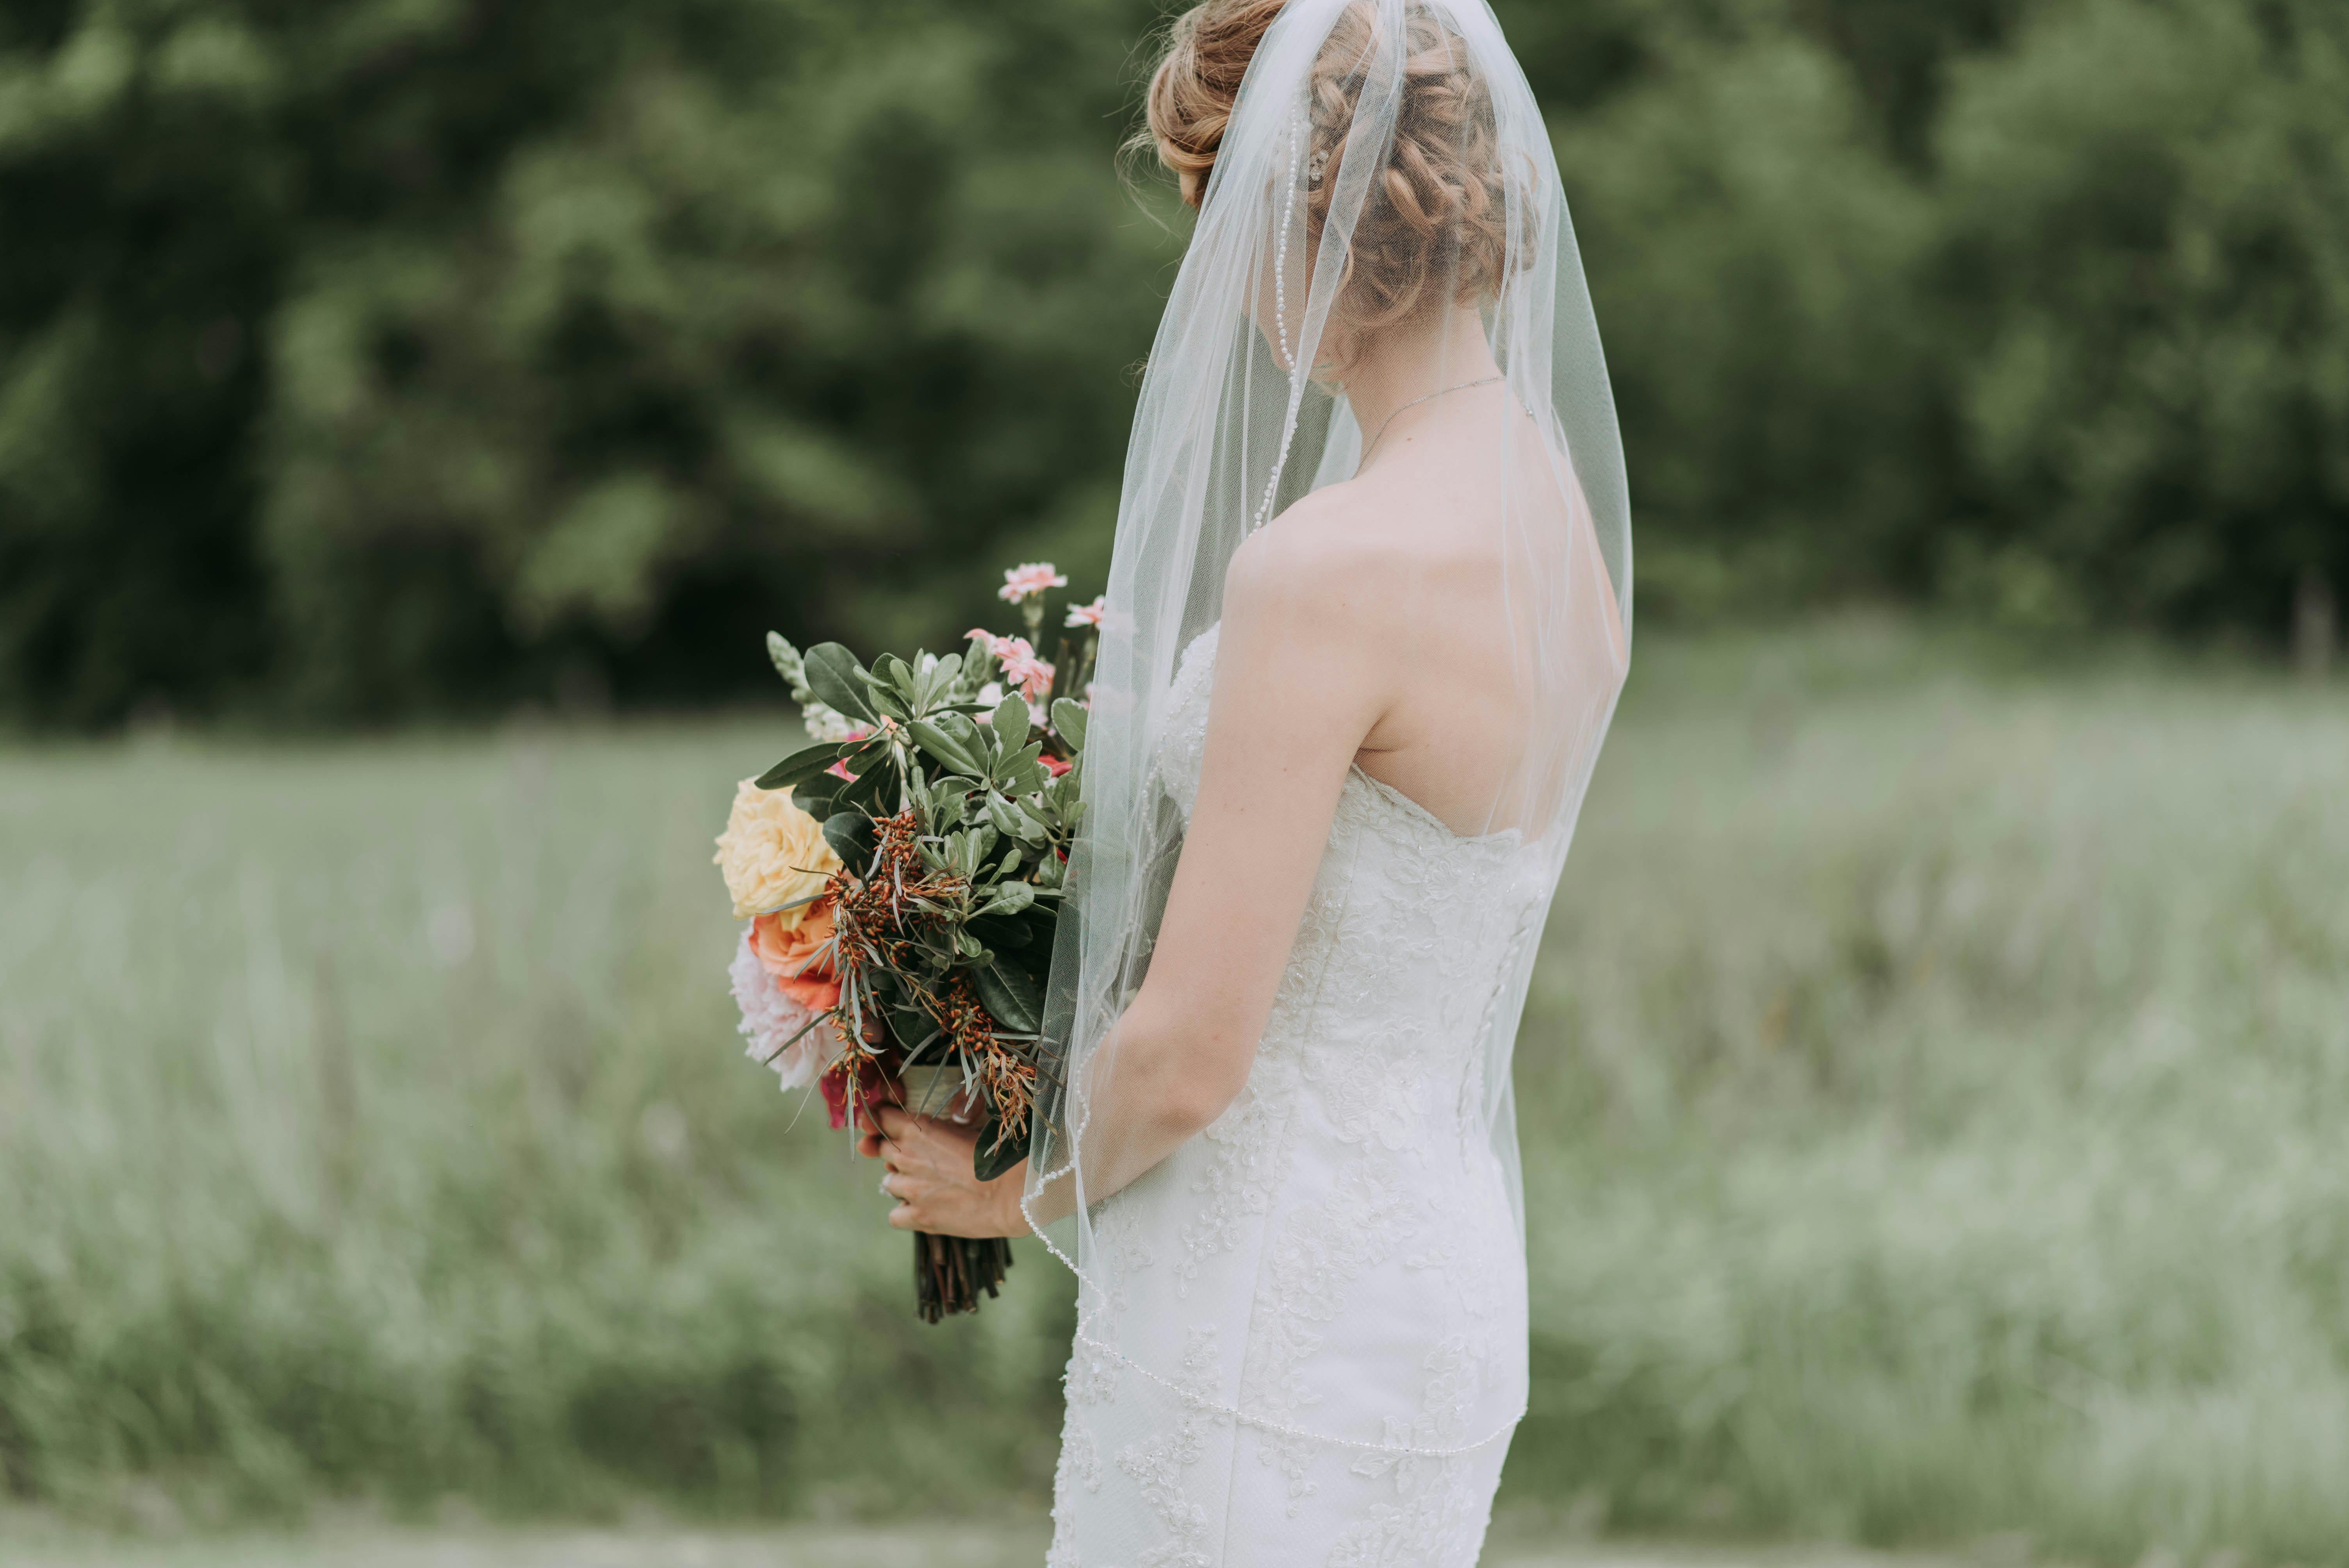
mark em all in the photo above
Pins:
pixel 1301 1336
pixel 1334 1271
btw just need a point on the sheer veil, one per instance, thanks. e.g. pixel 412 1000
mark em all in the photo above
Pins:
pixel 1384 159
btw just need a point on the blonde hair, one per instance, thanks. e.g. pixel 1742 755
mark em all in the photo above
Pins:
pixel 1434 229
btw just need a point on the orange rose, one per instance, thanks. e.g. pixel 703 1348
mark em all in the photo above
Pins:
pixel 795 957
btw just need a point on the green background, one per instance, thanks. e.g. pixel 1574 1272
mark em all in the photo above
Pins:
pixel 412 412
pixel 1931 1096
pixel 362 359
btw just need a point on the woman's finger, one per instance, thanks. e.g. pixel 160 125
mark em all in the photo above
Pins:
pixel 892 1121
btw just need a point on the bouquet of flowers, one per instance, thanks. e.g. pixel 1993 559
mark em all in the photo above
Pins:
pixel 901 881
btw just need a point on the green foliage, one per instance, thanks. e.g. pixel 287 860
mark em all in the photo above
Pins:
pixel 967 886
pixel 2148 257
pixel 1758 295
pixel 1931 1098
pixel 1939 1109
pixel 374 357
pixel 416 1152
pixel 382 357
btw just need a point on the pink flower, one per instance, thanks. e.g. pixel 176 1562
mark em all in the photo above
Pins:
pixel 1021 668
pixel 1025 581
pixel 854 732
pixel 776 1025
pixel 1032 676
pixel 1055 766
pixel 1090 615
pixel 1003 649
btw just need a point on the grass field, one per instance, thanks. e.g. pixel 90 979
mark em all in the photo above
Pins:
pixel 652 1544
pixel 1932 1098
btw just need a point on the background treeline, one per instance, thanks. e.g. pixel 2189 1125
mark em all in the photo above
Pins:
pixel 365 358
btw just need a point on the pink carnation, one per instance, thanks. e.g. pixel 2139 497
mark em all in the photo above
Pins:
pixel 1025 581
pixel 1021 668
pixel 1090 615
pixel 1004 649
pixel 1033 676
pixel 770 1019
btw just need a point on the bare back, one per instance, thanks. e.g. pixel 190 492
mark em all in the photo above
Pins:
pixel 1450 732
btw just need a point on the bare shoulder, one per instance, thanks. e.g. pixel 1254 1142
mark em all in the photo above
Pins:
pixel 1337 559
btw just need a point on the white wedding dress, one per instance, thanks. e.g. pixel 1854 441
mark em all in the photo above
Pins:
pixel 1314 1350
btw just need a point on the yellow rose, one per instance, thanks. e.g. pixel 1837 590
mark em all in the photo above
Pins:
pixel 772 853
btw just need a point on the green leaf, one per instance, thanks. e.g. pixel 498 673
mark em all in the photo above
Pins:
pixel 1009 898
pixel 935 740
pixel 996 1153
pixel 1069 723
pixel 815 796
pixel 838 681
pixel 898 673
pixel 866 793
pixel 1014 1000
pixel 800 766
pixel 1011 723
pixel 850 834
pixel 1002 934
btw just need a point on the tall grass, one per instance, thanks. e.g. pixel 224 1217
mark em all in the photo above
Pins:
pixel 1931 1102
pixel 1939 1092
pixel 374 1117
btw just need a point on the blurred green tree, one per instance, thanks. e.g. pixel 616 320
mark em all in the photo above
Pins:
pixel 799 313
pixel 387 355
pixel 362 358
pixel 143 202
pixel 2146 266
pixel 1755 261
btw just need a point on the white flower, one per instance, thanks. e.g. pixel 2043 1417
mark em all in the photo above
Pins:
pixel 1029 579
pixel 991 693
pixel 829 724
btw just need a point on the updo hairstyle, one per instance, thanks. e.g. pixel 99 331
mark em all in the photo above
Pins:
pixel 1433 226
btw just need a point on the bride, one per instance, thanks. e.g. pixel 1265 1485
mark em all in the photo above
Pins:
pixel 1369 617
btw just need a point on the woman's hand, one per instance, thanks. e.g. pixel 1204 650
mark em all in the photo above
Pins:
pixel 928 1172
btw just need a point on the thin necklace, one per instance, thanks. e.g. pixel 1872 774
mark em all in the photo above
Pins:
pixel 1415 403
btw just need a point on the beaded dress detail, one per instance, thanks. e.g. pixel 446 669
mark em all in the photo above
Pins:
pixel 1314 1350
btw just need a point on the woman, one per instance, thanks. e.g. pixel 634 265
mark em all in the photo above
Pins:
pixel 1375 502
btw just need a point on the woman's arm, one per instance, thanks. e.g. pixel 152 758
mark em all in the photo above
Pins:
pixel 1306 663
pixel 1300 679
